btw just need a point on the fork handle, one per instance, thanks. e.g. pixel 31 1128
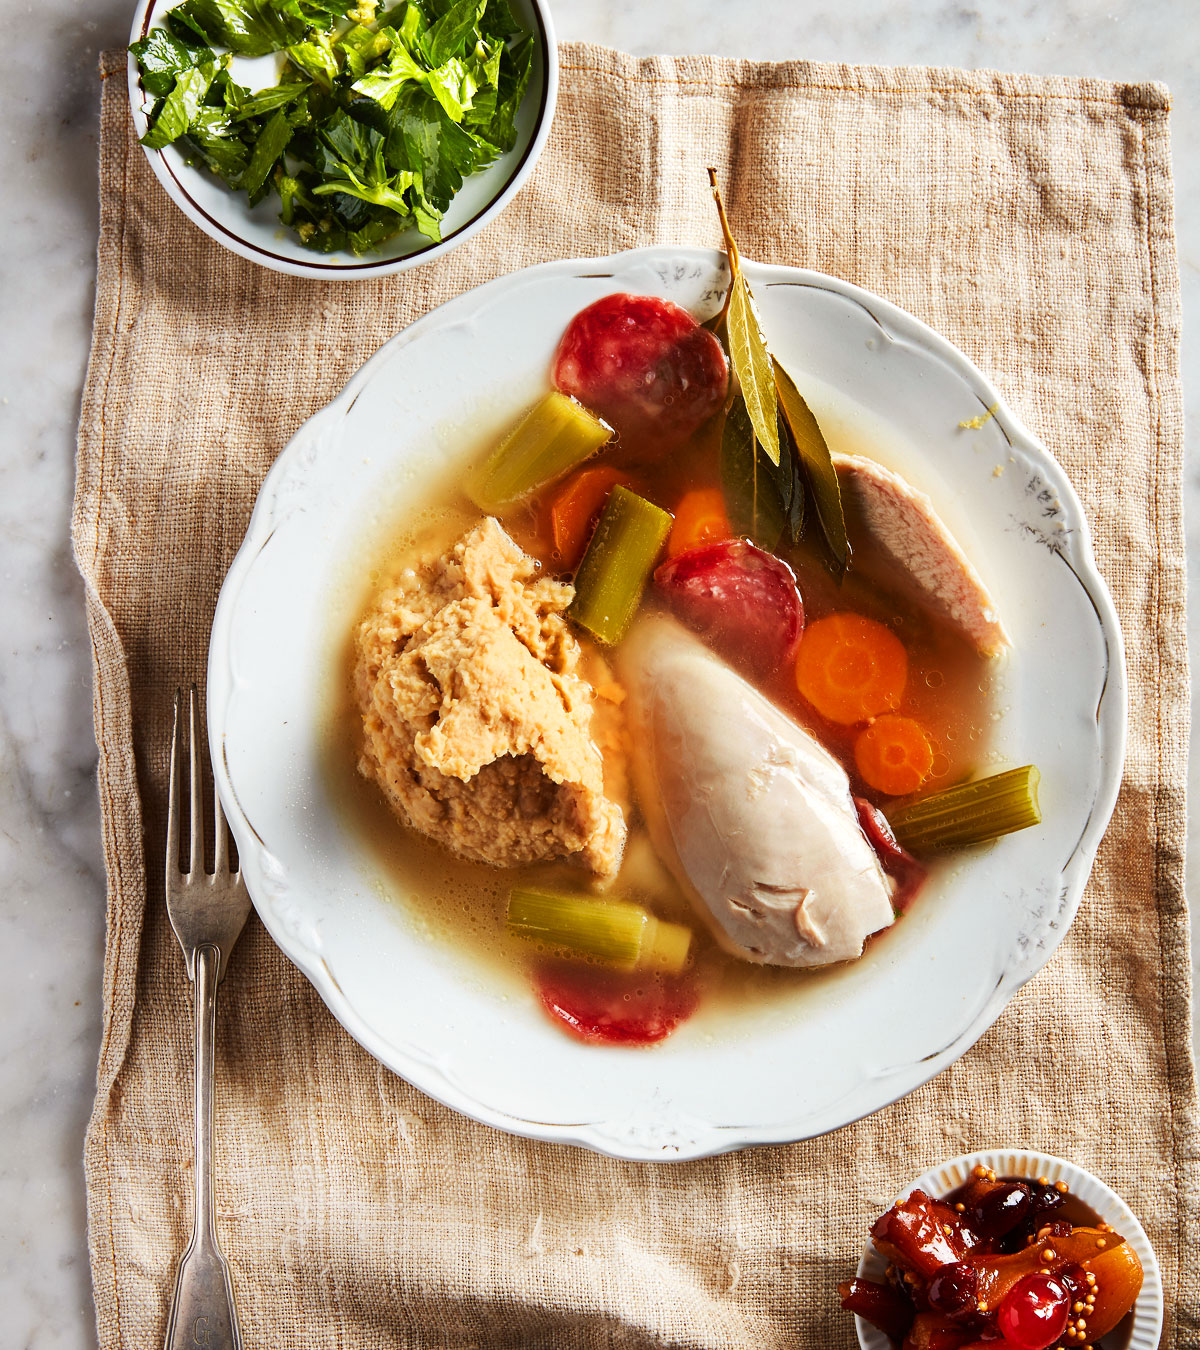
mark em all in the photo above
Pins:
pixel 203 1316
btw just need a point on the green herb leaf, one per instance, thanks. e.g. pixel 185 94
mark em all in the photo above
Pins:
pixel 412 26
pixel 355 163
pixel 483 66
pixel 497 21
pixel 246 27
pixel 291 193
pixel 752 364
pixel 180 106
pixel 211 140
pixel 350 210
pixel 162 58
pixel 738 327
pixel 241 104
pixel 448 35
pixel 428 218
pixel 374 233
pixel 818 466
pixel 361 46
pixel 340 141
pixel 516 68
pixel 453 85
pixel 322 14
pixel 317 59
pixel 376 189
pixel 270 145
pixel 422 138
pixel 384 83
pixel 748 481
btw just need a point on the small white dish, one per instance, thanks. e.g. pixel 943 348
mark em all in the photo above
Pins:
pixel 1103 1200
pixel 256 233
pixel 425 403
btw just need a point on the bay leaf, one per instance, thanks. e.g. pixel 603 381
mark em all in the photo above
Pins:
pixel 716 325
pixel 792 491
pixel 814 455
pixel 752 364
pixel 748 481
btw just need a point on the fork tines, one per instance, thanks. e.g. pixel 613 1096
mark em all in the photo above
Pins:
pixel 205 909
pixel 187 743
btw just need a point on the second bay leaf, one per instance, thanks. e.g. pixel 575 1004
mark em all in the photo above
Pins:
pixel 748 481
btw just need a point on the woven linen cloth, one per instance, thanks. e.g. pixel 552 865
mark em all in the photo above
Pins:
pixel 1027 219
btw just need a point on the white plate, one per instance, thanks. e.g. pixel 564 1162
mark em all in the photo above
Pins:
pixel 256 232
pixel 882 1026
pixel 1101 1199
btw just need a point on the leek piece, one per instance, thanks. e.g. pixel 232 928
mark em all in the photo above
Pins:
pixel 613 932
pixel 971 813
pixel 553 437
pixel 618 563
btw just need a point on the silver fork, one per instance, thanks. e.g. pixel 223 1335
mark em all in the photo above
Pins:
pixel 207 914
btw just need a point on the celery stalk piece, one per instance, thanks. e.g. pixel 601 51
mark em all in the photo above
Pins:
pixel 552 438
pixel 971 813
pixel 613 932
pixel 618 563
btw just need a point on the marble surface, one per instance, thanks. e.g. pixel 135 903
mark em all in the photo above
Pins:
pixel 51 872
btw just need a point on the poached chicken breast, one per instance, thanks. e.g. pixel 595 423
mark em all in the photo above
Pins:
pixel 752 815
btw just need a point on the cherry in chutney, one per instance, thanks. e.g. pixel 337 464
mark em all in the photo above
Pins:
pixel 996 1264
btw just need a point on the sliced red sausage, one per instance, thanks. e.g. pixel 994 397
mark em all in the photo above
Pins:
pixel 908 874
pixel 742 600
pixel 645 366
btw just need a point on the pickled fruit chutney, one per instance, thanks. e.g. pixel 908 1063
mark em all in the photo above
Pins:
pixel 1000 1262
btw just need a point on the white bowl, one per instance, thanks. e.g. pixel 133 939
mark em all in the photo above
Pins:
pixel 256 232
pixel 838 1051
pixel 1105 1202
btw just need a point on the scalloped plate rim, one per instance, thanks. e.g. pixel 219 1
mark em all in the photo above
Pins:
pixel 1110 715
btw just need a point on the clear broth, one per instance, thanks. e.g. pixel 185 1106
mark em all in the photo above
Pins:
pixel 461 906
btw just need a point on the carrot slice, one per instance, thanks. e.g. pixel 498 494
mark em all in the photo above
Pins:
pixel 851 668
pixel 893 755
pixel 576 508
pixel 699 519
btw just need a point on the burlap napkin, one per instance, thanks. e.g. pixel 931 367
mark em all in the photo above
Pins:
pixel 1029 220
